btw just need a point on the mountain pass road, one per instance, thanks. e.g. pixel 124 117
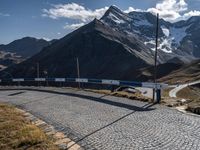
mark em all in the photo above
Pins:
pixel 178 88
pixel 97 121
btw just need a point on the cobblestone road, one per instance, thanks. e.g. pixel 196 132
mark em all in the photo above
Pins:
pixel 96 121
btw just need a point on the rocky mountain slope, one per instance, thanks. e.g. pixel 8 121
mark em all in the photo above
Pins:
pixel 176 40
pixel 102 53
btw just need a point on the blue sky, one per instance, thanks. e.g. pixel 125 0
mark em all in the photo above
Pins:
pixel 51 19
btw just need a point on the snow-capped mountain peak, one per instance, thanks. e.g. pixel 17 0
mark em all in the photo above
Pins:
pixel 115 16
pixel 174 38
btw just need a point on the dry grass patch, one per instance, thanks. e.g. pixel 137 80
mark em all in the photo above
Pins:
pixel 180 78
pixel 193 94
pixel 133 96
pixel 19 134
pixel 189 93
pixel 165 92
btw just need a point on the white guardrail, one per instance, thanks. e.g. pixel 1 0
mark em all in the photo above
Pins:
pixel 94 81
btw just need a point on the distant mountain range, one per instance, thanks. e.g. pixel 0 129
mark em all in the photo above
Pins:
pixel 118 46
pixel 19 50
pixel 25 47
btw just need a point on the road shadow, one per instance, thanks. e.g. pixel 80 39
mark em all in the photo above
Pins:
pixel 91 98
pixel 18 93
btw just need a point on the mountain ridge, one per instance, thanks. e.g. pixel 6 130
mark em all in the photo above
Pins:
pixel 23 46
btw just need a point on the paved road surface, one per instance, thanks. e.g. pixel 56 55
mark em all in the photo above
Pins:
pixel 174 91
pixel 102 122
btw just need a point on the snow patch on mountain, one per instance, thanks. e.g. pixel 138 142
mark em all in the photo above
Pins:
pixel 152 42
pixel 171 40
pixel 132 33
pixel 115 19
pixel 142 25
pixel 165 31
pixel 165 46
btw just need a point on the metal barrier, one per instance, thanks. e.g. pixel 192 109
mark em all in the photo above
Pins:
pixel 157 86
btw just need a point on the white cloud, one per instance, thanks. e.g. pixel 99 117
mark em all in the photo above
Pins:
pixel 73 11
pixel 173 10
pixel 191 13
pixel 131 9
pixel 73 26
pixel 4 15
pixel 170 10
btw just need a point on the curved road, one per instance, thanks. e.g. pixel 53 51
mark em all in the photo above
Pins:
pixel 174 91
pixel 97 121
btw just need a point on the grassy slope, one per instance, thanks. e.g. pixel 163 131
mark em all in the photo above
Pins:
pixel 17 133
pixel 187 73
pixel 192 93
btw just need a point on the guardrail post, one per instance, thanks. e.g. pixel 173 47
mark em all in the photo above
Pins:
pixel 158 95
